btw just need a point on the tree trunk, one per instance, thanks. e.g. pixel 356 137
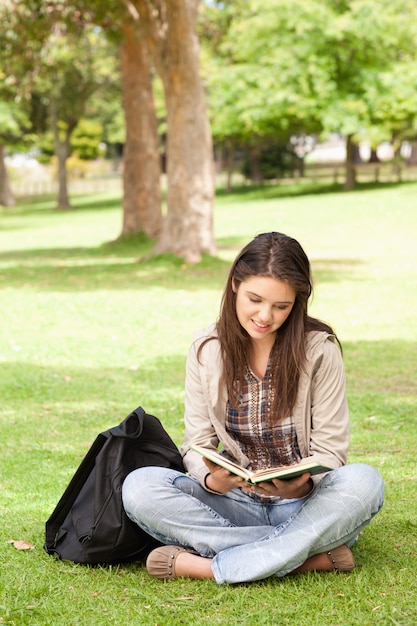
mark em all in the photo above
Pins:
pixel 230 166
pixel 172 37
pixel 357 159
pixel 141 159
pixel 302 166
pixel 62 151
pixel 412 160
pixel 374 156
pixel 397 160
pixel 255 165
pixel 6 194
pixel 350 180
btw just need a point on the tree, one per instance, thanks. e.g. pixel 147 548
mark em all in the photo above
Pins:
pixel 141 170
pixel 259 97
pixel 60 61
pixel 169 28
pixel 6 195
pixel 314 66
pixel 11 130
pixel 86 140
pixel 72 66
pixel 169 31
pixel 366 61
pixel 15 102
pixel 394 118
pixel 142 204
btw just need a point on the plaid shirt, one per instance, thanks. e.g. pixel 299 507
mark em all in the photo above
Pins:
pixel 265 442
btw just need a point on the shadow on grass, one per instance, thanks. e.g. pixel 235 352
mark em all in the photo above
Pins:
pixel 113 200
pixel 381 367
pixel 78 274
pixel 372 367
pixel 129 264
pixel 275 191
pixel 69 383
pixel 79 401
pixel 46 205
pixel 27 384
pixel 51 415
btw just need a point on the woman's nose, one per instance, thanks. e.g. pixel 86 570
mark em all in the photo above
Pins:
pixel 265 313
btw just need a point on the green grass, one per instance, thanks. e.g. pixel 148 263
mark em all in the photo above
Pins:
pixel 90 328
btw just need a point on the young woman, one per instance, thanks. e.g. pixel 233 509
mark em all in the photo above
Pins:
pixel 267 384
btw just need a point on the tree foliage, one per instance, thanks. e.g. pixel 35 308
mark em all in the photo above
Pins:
pixel 283 68
pixel 274 71
pixel 55 60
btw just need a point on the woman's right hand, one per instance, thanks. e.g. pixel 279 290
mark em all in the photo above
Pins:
pixel 221 480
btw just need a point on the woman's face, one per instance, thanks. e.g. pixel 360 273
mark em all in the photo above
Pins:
pixel 262 306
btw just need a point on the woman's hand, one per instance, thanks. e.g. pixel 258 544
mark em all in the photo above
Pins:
pixel 294 488
pixel 220 479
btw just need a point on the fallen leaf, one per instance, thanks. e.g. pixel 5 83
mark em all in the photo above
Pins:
pixel 22 545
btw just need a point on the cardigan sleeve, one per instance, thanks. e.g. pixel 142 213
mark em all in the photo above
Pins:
pixel 205 406
pixel 329 434
pixel 199 428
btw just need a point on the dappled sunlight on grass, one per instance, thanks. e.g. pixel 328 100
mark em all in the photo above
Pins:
pixel 78 271
pixel 93 326
pixel 363 366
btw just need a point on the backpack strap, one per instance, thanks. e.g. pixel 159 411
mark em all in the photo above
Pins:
pixel 131 427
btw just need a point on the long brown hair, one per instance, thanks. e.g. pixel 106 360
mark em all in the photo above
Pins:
pixel 277 256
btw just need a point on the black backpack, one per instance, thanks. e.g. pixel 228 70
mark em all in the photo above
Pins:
pixel 89 524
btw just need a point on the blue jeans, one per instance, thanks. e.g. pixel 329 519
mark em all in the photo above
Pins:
pixel 248 537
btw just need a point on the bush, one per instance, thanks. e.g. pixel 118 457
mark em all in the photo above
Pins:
pixel 275 162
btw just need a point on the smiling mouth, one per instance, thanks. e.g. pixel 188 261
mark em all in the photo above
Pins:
pixel 260 326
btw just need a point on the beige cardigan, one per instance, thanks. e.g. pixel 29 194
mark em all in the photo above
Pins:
pixel 320 414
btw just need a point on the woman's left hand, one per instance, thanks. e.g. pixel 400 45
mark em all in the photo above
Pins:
pixel 295 488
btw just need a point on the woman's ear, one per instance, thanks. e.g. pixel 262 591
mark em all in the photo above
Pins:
pixel 234 288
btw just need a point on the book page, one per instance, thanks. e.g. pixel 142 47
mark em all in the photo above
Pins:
pixel 284 472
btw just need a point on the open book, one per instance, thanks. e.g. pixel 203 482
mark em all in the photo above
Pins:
pixel 285 472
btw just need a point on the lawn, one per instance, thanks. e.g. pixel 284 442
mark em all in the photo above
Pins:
pixel 91 328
